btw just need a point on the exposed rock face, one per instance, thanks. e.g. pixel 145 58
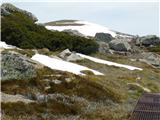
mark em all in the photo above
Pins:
pixel 105 37
pixel 150 40
pixel 103 47
pixel 65 53
pixel 7 9
pixel 4 12
pixel 17 66
pixel 127 37
pixel 69 56
pixel 120 45
pixel 151 59
pixel 74 57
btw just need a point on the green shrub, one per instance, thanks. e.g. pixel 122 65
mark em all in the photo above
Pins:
pixel 87 72
pixel 155 49
pixel 17 29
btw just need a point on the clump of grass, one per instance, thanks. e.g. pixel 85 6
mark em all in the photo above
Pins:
pixel 155 49
pixel 27 52
pixel 153 86
pixel 87 72
pixel 112 86
pixel 51 106
pixel 108 113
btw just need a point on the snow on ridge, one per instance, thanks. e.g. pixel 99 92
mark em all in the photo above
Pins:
pixel 61 65
pixel 109 62
pixel 88 29
pixel 6 46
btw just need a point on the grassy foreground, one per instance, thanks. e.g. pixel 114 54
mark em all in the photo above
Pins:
pixel 81 97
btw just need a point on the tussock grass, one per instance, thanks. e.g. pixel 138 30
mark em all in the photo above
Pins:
pixel 83 97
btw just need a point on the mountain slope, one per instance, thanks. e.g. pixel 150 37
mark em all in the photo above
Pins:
pixel 57 89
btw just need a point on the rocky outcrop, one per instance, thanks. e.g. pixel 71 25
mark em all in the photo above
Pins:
pixel 67 55
pixel 120 45
pixel 7 9
pixel 127 37
pixel 149 40
pixel 64 53
pixel 17 66
pixel 103 47
pixel 151 59
pixel 105 37
pixel 4 12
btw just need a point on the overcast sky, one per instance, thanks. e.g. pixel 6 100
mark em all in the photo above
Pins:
pixel 138 18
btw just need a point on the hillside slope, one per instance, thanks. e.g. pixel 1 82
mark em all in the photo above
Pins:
pixel 20 30
pixel 42 81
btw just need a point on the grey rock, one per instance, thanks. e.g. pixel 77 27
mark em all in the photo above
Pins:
pixel 138 42
pixel 42 98
pixel 74 57
pixel 4 12
pixel 17 66
pixel 120 35
pixel 151 59
pixel 67 55
pixel 103 47
pixel 119 45
pixel 7 9
pixel 150 40
pixel 105 37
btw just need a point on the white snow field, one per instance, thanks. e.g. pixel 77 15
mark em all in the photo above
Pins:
pixel 108 62
pixel 88 29
pixel 61 65
pixel 6 46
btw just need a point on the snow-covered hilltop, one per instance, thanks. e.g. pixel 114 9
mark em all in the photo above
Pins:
pixel 84 27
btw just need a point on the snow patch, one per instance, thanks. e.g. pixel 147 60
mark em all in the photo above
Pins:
pixel 108 62
pixel 6 46
pixel 88 29
pixel 61 65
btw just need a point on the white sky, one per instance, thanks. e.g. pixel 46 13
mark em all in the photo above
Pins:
pixel 135 17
